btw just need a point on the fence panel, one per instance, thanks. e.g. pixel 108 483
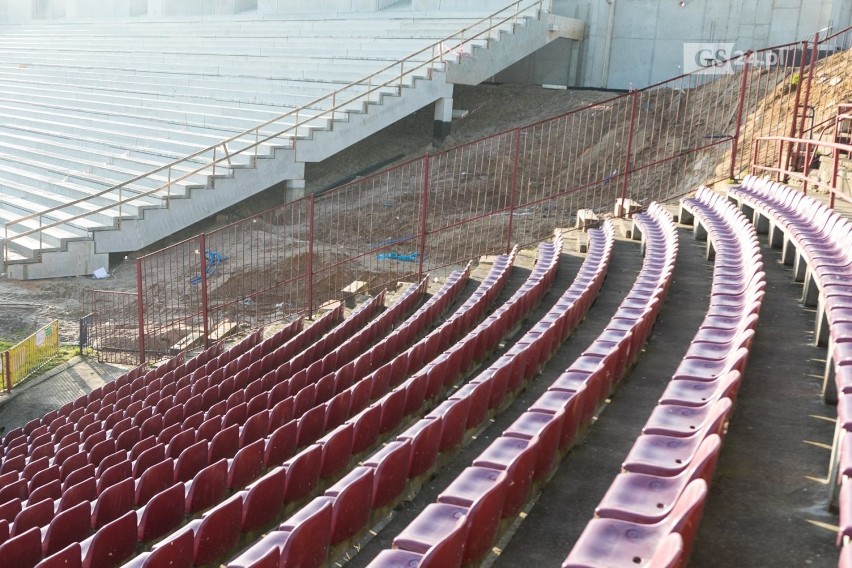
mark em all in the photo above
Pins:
pixel 258 269
pixel 772 95
pixel 513 187
pixel 114 330
pixel 170 287
pixel 368 231
pixel 470 197
pixel 20 361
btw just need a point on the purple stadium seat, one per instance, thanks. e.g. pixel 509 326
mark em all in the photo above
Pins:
pixel 86 490
pixel 518 458
pixel 307 541
pixel 352 496
pixel 302 473
pixel 613 542
pixel 155 479
pixel 111 544
pixel 191 460
pixel 207 487
pixel 246 465
pixel 280 445
pixel 66 528
pixel 69 557
pixel 439 529
pixel 78 476
pixel 336 449
pixel 264 500
pixel 113 502
pixel 22 550
pixel 482 491
pixel 33 515
pixel 391 464
pixel 647 499
pixel 216 532
pixel 162 513
pixel 224 444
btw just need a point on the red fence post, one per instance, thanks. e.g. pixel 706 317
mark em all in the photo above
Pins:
pixel 740 110
pixel 806 103
pixel 512 196
pixel 141 309
pixel 202 249
pixel 7 371
pixel 634 102
pixel 424 217
pixel 311 220
pixel 794 123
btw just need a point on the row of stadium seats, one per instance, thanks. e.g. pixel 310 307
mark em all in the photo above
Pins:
pixel 650 513
pixel 816 240
pixel 346 507
pixel 265 498
pixel 185 448
pixel 481 503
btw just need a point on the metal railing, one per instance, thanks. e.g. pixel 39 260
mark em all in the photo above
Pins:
pixel 439 54
pixel 775 161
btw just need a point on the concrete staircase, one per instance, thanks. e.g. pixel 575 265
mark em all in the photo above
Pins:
pixel 98 119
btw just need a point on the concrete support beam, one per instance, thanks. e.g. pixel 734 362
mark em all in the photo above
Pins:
pixel 443 120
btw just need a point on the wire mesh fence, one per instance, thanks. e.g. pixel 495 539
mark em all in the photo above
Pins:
pixel 480 198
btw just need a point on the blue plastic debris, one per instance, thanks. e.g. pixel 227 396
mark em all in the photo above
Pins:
pixel 214 259
pixel 411 257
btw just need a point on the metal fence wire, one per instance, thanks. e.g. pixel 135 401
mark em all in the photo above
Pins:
pixel 483 197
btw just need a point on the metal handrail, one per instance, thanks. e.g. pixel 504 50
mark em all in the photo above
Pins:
pixel 438 52
pixel 787 172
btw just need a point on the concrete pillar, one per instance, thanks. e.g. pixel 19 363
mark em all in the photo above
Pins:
pixel 443 120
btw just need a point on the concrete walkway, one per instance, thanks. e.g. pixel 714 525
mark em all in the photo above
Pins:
pixel 39 395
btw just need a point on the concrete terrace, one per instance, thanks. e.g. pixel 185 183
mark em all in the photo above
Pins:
pixel 88 105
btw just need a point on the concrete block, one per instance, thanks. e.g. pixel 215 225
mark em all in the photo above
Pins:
pixel 626 207
pixel 586 218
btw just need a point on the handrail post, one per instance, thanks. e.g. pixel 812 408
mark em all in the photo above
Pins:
pixel 793 123
pixel 7 371
pixel 311 219
pixel 513 193
pixel 169 190
pixel 202 248
pixel 835 168
pixel 781 161
pixel 755 152
pixel 424 217
pixel 740 110
pixel 627 158
pixel 140 311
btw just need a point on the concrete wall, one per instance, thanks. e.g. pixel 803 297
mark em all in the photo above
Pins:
pixel 635 43
pixel 648 36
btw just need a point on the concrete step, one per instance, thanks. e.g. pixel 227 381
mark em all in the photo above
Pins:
pixel 82 167
pixel 78 148
pixel 122 131
pixel 161 120
pixel 73 184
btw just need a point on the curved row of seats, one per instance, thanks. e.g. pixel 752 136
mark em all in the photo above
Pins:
pixel 650 513
pixel 483 501
pixel 149 468
pixel 228 451
pixel 817 241
pixel 264 499
pixel 413 452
